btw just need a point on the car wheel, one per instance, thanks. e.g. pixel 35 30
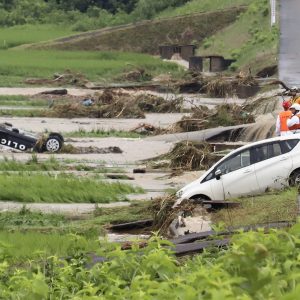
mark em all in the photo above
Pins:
pixel 53 144
pixel 294 179
pixel 199 198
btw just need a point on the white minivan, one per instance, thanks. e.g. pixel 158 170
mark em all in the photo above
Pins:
pixel 252 169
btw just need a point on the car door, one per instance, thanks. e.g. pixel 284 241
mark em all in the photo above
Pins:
pixel 238 175
pixel 272 166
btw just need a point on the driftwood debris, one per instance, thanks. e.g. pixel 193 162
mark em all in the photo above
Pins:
pixel 55 92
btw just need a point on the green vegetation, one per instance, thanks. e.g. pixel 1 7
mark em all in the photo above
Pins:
pixel 249 40
pixel 80 15
pixel 61 189
pixel 16 66
pixel 21 101
pixel 272 207
pixel 100 133
pixel 34 244
pixel 88 225
pixel 256 266
pixel 51 164
pixel 146 37
pixel 27 34
pixel 196 6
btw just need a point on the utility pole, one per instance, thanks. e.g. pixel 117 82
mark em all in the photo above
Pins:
pixel 273 12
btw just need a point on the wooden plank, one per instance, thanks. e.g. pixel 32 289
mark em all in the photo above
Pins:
pixel 190 248
pixel 192 237
pixel 132 225
pixel 217 204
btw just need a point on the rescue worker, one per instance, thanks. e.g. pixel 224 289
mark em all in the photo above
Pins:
pixel 293 122
pixel 295 96
pixel 281 122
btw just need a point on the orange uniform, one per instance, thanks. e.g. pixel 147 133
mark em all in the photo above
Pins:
pixel 283 117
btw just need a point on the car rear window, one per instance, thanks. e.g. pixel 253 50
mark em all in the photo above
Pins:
pixel 288 145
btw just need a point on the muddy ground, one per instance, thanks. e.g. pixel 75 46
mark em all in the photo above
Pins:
pixel 134 150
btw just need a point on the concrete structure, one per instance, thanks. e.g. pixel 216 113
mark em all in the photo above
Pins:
pixel 185 51
pixel 217 63
pixel 196 63
pixel 289 62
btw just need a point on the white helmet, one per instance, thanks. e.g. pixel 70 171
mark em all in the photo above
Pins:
pixel 296 106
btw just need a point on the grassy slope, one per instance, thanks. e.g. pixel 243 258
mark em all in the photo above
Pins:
pixel 147 36
pixel 15 66
pixel 195 6
pixel 250 39
pixel 27 34
pixel 273 207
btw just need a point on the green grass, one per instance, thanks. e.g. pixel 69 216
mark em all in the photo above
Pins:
pixel 196 6
pixel 61 189
pixel 30 113
pixel 17 65
pixel 22 246
pixel 28 233
pixel 21 101
pixel 51 164
pixel 249 40
pixel 100 133
pixel 272 207
pixel 26 34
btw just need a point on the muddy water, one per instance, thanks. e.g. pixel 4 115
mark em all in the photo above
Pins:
pixel 88 124
pixel 257 132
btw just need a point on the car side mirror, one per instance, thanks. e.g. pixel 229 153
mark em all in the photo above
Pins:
pixel 218 174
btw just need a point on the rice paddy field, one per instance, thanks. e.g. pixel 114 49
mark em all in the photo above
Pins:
pixel 18 65
pixel 26 34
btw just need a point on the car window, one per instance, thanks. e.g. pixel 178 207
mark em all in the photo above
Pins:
pixel 266 151
pixel 260 153
pixel 274 150
pixel 288 145
pixel 235 162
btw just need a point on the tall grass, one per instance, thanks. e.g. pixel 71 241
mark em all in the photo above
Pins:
pixel 21 246
pixel 61 189
pixel 26 34
pixel 272 207
pixel 15 66
pixel 195 6
pixel 51 164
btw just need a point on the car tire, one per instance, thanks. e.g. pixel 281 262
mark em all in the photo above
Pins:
pixel 53 144
pixel 200 198
pixel 294 179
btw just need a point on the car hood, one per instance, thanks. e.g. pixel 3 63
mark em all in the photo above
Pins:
pixel 191 184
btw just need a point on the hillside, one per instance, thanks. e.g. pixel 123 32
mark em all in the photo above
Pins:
pixel 146 36
pixel 249 40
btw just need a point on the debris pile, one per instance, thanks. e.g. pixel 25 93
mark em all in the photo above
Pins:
pixel 150 103
pixel 167 219
pixel 221 87
pixel 222 115
pixel 147 129
pixel 67 78
pixel 136 75
pixel 68 148
pixel 192 156
pixel 113 104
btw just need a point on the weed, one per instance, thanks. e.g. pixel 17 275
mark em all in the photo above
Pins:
pixel 61 189
pixel 99 133
pixel 273 207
